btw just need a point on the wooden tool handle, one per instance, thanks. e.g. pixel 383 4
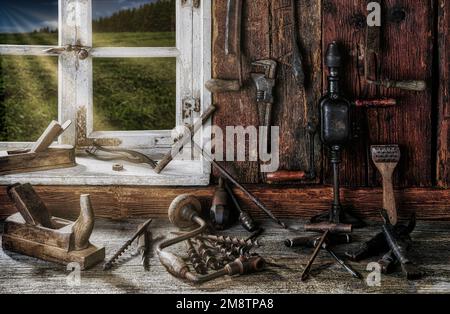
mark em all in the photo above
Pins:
pixel 285 176
pixel 50 134
pixel 389 199
pixel 222 86
pixel 415 86
pixel 332 228
pixel 162 164
pixel 30 205
pixel 308 242
pixel 383 102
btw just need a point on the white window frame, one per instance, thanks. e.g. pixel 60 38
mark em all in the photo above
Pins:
pixel 75 83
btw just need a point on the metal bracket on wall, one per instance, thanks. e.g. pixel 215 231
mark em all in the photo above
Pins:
pixel 82 137
pixel 195 3
pixel 190 104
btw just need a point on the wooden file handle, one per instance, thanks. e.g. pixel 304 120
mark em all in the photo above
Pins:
pixel 221 86
pixel 382 102
pixel 286 176
pixel 389 199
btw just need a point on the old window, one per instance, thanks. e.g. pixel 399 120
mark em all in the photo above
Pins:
pixel 121 70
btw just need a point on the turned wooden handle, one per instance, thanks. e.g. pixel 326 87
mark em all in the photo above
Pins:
pixel 389 199
pixel 415 86
pixel 285 176
pixel 83 227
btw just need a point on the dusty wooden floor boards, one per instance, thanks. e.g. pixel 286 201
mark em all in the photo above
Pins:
pixel 26 275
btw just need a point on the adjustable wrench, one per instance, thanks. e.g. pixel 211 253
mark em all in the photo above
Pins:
pixel 265 82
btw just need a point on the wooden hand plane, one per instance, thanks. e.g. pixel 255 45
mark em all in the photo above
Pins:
pixel 43 155
pixel 34 232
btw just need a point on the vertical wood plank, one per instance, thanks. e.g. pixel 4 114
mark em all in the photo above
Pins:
pixel 203 24
pixel 75 76
pixel 443 157
pixel 407 54
pixel 345 22
pixel 184 39
pixel 297 105
pixel 239 108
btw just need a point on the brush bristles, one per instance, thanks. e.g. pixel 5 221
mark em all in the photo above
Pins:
pixel 386 153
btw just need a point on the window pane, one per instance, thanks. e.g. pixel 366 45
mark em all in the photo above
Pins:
pixel 29 22
pixel 134 94
pixel 134 23
pixel 28 96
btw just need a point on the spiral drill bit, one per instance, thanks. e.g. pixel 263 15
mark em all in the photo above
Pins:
pixel 228 254
pixel 109 264
pixel 208 256
pixel 231 240
pixel 225 255
pixel 196 260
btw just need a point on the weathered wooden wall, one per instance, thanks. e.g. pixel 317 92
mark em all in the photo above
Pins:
pixel 120 202
pixel 408 49
pixel 443 90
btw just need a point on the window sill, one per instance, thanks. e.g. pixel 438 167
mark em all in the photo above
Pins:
pixel 94 172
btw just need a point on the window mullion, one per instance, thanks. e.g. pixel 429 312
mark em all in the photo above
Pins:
pixel 202 69
pixel 75 76
pixel 184 40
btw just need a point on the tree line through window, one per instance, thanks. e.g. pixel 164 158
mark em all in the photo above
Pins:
pixel 129 94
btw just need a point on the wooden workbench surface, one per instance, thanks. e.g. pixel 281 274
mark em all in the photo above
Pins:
pixel 20 274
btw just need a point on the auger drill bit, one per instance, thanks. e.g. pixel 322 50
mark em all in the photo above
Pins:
pixel 231 241
pixel 196 260
pixel 208 257
pixel 145 247
pixel 223 250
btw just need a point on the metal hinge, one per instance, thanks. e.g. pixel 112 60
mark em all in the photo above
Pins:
pixel 195 3
pixel 190 105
